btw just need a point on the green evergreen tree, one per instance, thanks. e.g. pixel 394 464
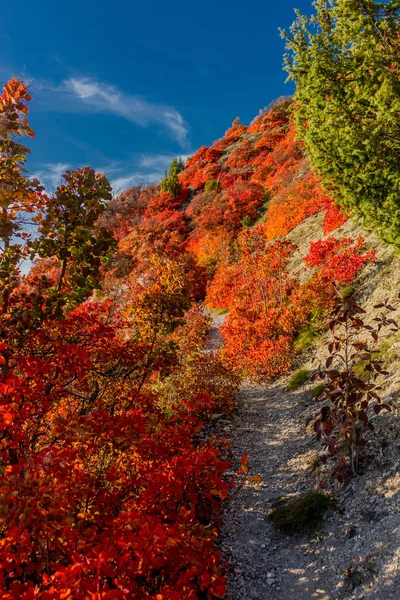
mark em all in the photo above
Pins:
pixel 345 62
pixel 170 183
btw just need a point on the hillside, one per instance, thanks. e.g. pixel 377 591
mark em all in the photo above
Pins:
pixel 354 552
pixel 199 384
pixel 271 243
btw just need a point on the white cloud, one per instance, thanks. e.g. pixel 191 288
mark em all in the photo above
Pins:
pixel 138 169
pixel 141 169
pixel 105 98
pixel 120 184
pixel 50 175
pixel 159 160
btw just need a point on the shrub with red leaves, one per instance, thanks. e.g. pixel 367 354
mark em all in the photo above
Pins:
pixel 339 260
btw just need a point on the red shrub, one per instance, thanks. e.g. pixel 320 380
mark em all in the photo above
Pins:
pixel 241 156
pixel 232 135
pixel 243 200
pixel 334 218
pixel 339 260
pixel 274 117
pixel 233 176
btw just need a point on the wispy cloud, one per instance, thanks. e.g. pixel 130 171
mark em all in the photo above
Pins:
pixel 159 161
pixel 92 95
pixel 138 169
pixel 50 175
pixel 120 184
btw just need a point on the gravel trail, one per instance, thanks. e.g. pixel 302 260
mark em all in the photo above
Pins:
pixel 356 555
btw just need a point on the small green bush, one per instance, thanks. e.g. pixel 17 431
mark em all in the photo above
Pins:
pixel 359 369
pixel 308 333
pixel 246 221
pixel 300 514
pixel 305 339
pixel 244 374
pixel 212 185
pixel 219 311
pixel 347 291
pixel 317 390
pixel 386 351
pixel 297 379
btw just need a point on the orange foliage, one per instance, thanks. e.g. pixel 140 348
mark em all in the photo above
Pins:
pixel 232 135
pixel 106 490
pixel 211 247
pixel 164 232
pixel 293 204
pixel 123 213
pixel 256 290
pixel 267 307
pixel 165 201
pixel 274 117
pixel 231 177
pixel 243 200
pixel 241 156
pixel 282 164
pixel 200 167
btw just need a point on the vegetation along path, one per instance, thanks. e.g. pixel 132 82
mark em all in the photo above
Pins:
pixel 354 554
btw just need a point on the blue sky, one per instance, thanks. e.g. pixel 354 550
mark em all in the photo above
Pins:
pixel 125 86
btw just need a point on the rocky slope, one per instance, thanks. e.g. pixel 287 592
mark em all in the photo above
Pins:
pixel 356 553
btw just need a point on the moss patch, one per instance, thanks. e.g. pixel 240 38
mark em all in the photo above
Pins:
pixel 317 390
pixel 297 379
pixel 302 513
pixel 305 339
pixel 347 291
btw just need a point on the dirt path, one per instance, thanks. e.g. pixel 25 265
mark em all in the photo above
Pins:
pixel 363 540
